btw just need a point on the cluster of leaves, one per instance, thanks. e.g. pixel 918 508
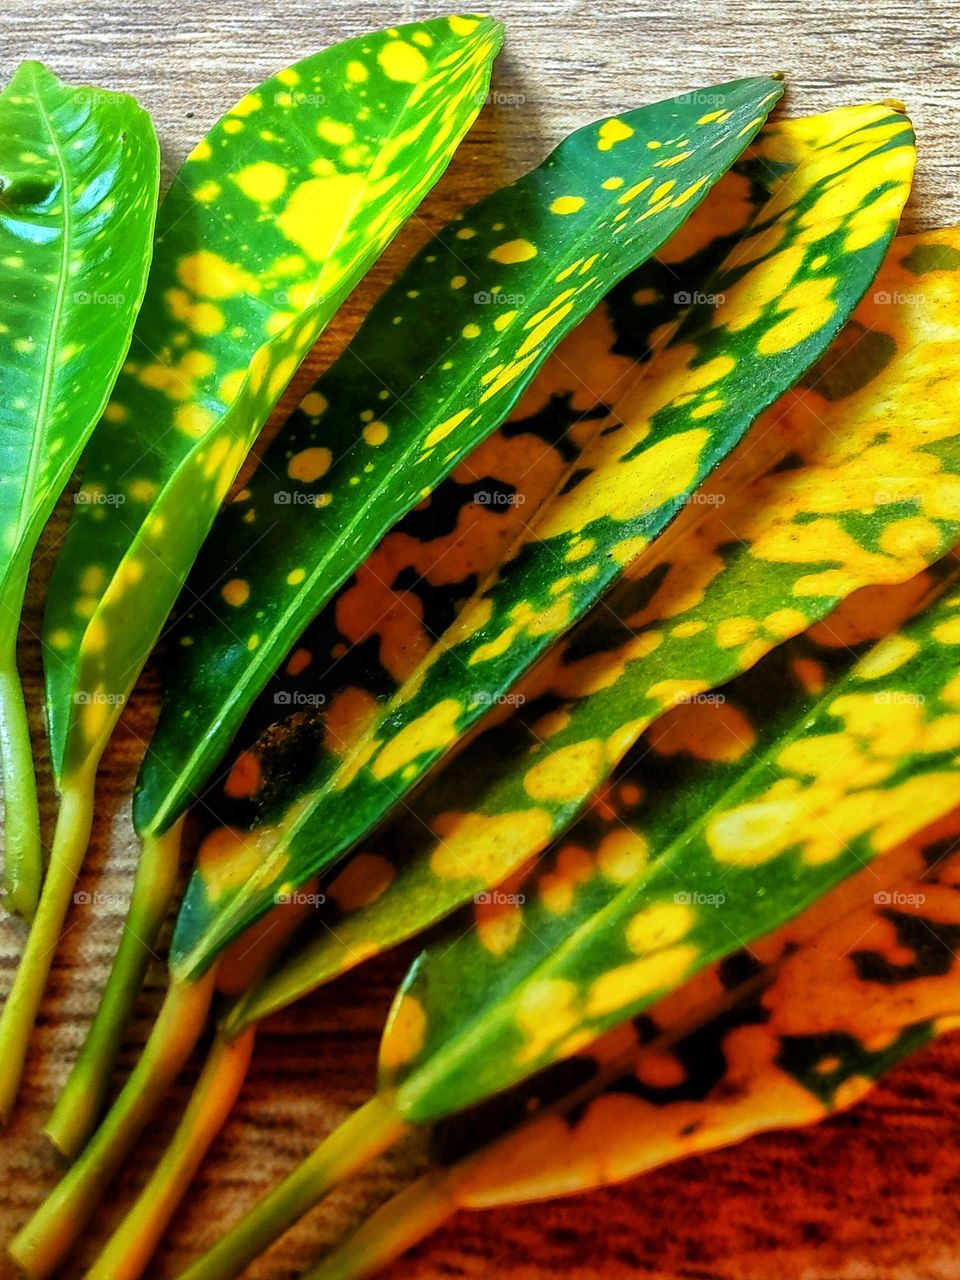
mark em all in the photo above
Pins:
pixel 600 597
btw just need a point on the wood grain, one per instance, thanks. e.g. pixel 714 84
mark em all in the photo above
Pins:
pixel 869 1196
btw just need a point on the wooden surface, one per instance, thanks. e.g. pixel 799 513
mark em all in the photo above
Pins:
pixel 869 1196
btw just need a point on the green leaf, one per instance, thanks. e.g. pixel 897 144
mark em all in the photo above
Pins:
pixel 268 225
pixel 820 500
pixel 816 238
pixel 439 362
pixel 797 791
pixel 800 1026
pixel 79 170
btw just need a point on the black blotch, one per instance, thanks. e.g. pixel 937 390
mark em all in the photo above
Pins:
pixel 933 943
pixel 738 968
pixel 458 1135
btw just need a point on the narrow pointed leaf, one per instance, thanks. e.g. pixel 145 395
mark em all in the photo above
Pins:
pixel 268 225
pixel 822 499
pixel 664 437
pixel 798 791
pixel 789 1033
pixel 79 169
pixel 439 362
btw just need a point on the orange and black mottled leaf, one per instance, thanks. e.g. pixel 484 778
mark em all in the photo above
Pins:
pixel 800 1026
pixel 664 436
pixel 270 222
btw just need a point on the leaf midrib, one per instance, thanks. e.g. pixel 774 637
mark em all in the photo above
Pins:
pixel 33 468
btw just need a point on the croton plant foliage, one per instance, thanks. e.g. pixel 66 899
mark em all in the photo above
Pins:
pixel 594 615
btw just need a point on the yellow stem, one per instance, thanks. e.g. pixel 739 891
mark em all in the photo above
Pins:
pixel 360 1139
pixel 397 1226
pixel 70 841
pixel 132 1245
pixel 81 1101
pixel 46 1240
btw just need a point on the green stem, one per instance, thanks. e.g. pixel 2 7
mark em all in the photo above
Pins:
pixel 360 1139
pixel 132 1245
pixel 23 852
pixel 46 1240
pixel 397 1226
pixel 19 1013
pixel 81 1101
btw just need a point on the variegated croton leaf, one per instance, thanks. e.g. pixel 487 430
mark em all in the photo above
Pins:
pixel 438 363
pixel 818 238
pixel 795 1029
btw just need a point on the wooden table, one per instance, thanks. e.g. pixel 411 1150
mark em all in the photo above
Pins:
pixel 871 1195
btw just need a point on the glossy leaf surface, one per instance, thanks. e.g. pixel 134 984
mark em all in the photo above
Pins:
pixel 822 1008
pixel 79 169
pixel 268 225
pixel 800 785
pixel 643 481
pixel 439 362
pixel 821 500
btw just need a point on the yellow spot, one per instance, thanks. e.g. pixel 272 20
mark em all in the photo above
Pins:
pixel 295 577
pixel 622 855
pixel 639 485
pixel 659 926
pixel 404 1035
pixel 210 276
pixel 309 464
pixel 313 403
pixel 207 192
pixel 443 429
pixel 640 978
pixel 567 204
pixel 356 72
pixel 194 420
pixel 401 61
pixel 335 132
pixel 888 655
pixel 564 774
pixel 513 251
pixel 375 433
pixel 545 1014
pixel 458 282
pixel 236 592
pixel 611 132
pixel 317 211
pixel 948 632
pixel 263 181
pixel 472 846
pixel 431 732
pixel 612 184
